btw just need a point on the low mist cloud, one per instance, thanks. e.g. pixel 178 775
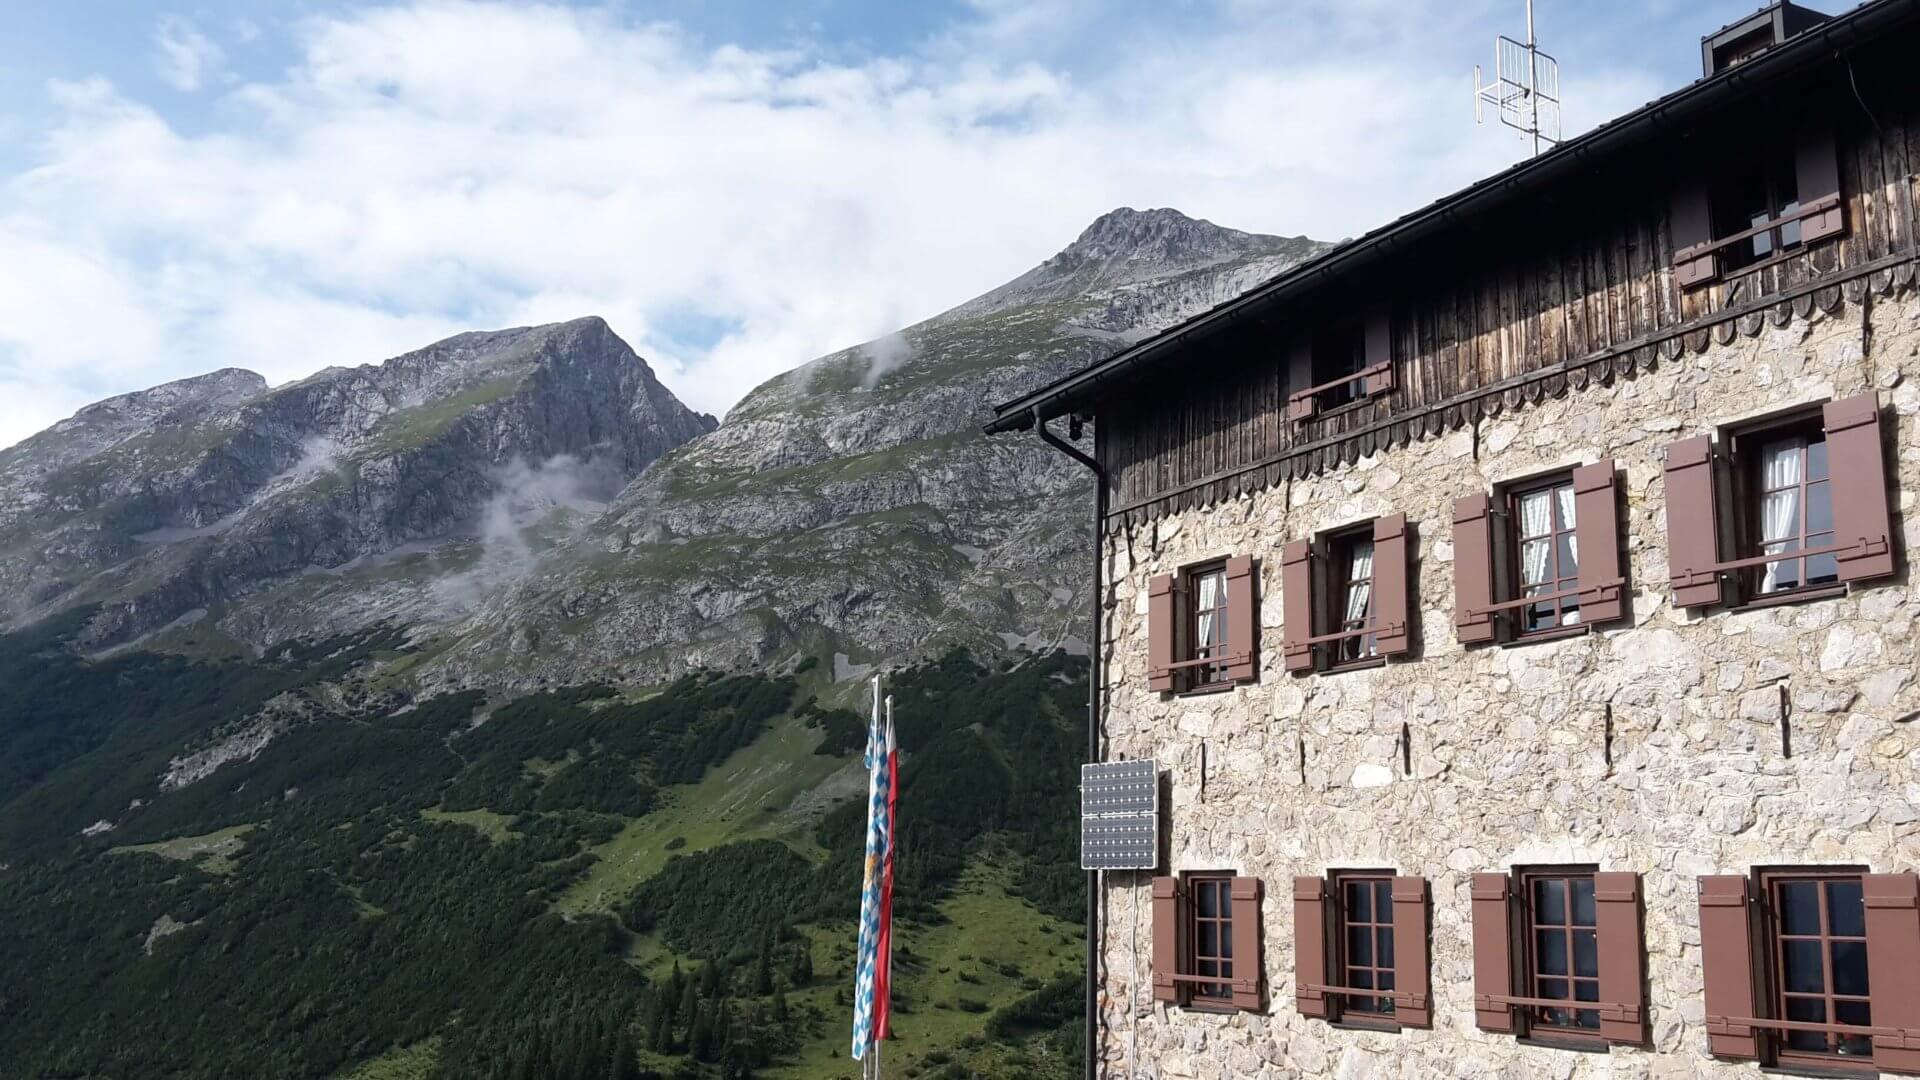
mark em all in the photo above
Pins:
pixel 883 356
pixel 533 505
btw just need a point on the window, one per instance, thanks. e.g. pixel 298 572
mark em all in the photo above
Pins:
pixel 1201 628
pixel 1342 363
pixel 1210 929
pixel 1561 950
pixel 1808 968
pixel 1206 941
pixel 1339 353
pixel 1817 955
pixel 1344 597
pixel 1788 507
pixel 1207 614
pixel 1350 556
pixel 1763 198
pixel 1757 198
pixel 1559 954
pixel 1547 549
pixel 1363 942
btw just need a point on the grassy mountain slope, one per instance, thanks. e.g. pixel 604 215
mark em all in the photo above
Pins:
pixel 463 886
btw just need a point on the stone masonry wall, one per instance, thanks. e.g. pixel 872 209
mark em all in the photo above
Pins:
pixel 1509 745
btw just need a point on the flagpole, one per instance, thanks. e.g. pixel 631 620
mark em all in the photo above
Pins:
pixel 893 845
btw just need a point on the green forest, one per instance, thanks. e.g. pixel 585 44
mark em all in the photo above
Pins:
pixel 389 888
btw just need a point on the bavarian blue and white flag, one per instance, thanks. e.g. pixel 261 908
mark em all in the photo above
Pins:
pixel 873 905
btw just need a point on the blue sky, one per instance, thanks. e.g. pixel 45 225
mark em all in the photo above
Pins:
pixel 736 186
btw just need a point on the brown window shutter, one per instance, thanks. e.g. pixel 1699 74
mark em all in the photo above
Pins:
pixel 1473 567
pixel 1621 945
pixel 1296 598
pixel 1413 999
pixel 1162 611
pixel 1249 967
pixel 1693 534
pixel 1300 377
pixel 1310 945
pixel 1390 601
pixel 1243 621
pixel 1691 222
pixel 1379 354
pixel 1492 951
pixel 1169 921
pixel 1817 176
pixel 1893 966
pixel 1726 963
pixel 1596 516
pixel 1856 464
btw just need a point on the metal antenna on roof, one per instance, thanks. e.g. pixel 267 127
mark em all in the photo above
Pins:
pixel 1525 91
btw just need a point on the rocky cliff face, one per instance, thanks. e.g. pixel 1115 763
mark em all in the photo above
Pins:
pixel 207 494
pixel 851 508
pixel 540 509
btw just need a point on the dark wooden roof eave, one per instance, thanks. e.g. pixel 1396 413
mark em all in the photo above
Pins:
pixel 1812 49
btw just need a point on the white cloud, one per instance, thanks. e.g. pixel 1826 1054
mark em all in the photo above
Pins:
pixel 183 56
pixel 448 165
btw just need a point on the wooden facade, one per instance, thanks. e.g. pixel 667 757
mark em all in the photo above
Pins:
pixel 1576 288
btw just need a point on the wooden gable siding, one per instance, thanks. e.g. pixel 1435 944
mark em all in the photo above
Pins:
pixel 1591 302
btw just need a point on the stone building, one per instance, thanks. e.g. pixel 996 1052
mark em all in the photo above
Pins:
pixel 1515 601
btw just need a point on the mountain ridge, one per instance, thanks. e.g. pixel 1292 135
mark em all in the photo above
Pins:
pixel 539 504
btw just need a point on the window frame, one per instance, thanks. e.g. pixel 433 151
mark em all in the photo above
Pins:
pixel 1761 168
pixel 1215 997
pixel 1195 679
pixel 1744 447
pixel 1343 1011
pixel 1513 558
pixel 1337 547
pixel 1769 960
pixel 1526 928
pixel 1341 345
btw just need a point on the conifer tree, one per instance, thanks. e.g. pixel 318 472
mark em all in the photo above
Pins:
pixel 763 966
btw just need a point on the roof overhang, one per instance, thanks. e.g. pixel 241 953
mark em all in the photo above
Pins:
pixel 1668 115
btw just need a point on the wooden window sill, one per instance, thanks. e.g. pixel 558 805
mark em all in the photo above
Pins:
pixel 1558 633
pixel 1368 664
pixel 1203 691
pixel 1791 596
pixel 1221 1007
pixel 1831 1072
pixel 1340 410
pixel 1581 1044
pixel 1726 276
pixel 1367 1023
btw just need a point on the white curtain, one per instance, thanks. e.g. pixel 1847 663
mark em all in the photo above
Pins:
pixel 1780 465
pixel 1359 596
pixel 1536 509
pixel 1207 628
pixel 1564 496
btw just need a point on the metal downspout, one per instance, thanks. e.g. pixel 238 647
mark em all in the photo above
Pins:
pixel 1092 1020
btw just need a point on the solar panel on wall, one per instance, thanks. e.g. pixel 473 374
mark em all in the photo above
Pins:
pixel 1119 815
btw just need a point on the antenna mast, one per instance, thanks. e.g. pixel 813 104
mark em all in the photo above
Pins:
pixel 1525 90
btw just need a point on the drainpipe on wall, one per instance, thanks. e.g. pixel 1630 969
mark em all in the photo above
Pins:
pixel 1092 1051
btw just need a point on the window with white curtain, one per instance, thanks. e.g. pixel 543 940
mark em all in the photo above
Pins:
pixel 1351 563
pixel 1207 586
pixel 1547 554
pixel 1793 510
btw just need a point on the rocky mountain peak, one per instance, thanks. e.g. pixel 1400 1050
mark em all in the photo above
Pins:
pixel 1160 237
pixel 115 420
pixel 1127 249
